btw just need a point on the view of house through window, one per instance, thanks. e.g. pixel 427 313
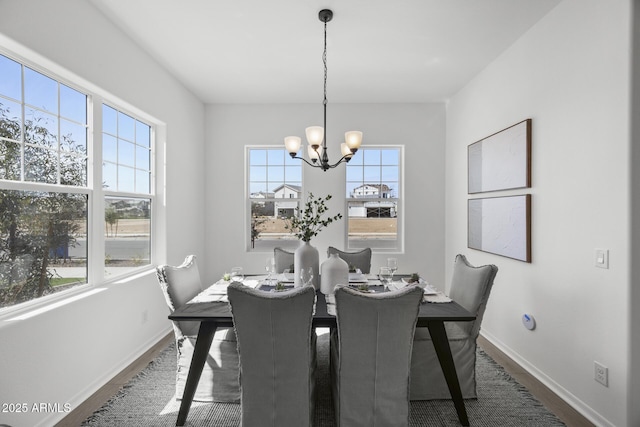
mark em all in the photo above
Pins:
pixel 275 189
pixel 373 189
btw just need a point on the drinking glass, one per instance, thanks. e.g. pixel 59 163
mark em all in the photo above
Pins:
pixel 392 263
pixel 306 276
pixel 236 274
pixel 385 276
pixel 270 267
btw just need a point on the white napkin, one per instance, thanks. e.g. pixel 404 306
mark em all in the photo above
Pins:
pixel 252 283
pixel 438 297
pixel 203 297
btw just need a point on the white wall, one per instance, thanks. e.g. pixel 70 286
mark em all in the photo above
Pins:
pixel 65 354
pixel 420 127
pixel 570 75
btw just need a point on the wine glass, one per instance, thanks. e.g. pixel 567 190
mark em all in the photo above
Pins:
pixel 306 276
pixel 270 267
pixel 392 263
pixel 385 276
pixel 237 274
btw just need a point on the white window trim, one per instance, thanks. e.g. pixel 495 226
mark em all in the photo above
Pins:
pixel 248 200
pixel 399 249
pixel 96 96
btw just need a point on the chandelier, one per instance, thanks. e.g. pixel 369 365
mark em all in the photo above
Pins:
pixel 316 135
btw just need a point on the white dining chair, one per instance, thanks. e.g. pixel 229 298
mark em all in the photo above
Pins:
pixel 371 356
pixel 357 259
pixel 470 287
pixel 283 260
pixel 277 348
pixel 219 381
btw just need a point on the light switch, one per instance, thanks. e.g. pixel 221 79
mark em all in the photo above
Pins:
pixel 602 258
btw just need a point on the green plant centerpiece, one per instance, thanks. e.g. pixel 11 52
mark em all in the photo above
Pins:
pixel 306 225
pixel 415 278
pixel 310 221
pixel 280 286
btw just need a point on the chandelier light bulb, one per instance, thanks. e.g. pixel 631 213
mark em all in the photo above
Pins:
pixel 292 144
pixel 346 151
pixel 315 135
pixel 353 139
pixel 314 155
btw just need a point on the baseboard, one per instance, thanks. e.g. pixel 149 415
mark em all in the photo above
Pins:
pixel 93 388
pixel 569 398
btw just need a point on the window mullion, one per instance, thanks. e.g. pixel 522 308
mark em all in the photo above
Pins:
pixel 96 248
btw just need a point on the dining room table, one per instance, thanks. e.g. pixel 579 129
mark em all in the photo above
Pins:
pixel 212 310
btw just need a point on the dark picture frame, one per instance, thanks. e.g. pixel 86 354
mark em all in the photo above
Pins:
pixel 501 226
pixel 501 161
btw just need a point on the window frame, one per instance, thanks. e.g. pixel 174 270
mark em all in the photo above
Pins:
pixel 95 223
pixel 398 246
pixel 268 245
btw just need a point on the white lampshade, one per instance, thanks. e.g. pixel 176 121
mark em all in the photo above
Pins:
pixel 313 154
pixel 315 135
pixel 346 151
pixel 292 143
pixel 353 139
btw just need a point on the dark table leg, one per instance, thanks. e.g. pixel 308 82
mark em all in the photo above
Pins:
pixel 200 354
pixel 441 345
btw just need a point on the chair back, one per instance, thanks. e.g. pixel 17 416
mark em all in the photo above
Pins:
pixel 358 259
pixel 179 285
pixel 277 355
pixel 283 260
pixel 375 338
pixel 470 287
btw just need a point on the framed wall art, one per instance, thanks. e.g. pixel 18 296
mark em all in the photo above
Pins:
pixel 501 226
pixel 501 161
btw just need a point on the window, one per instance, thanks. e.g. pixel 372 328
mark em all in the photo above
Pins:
pixel 126 160
pixel 373 198
pixel 48 189
pixel 275 189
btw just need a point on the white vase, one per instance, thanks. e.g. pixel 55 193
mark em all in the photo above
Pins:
pixel 334 271
pixel 304 257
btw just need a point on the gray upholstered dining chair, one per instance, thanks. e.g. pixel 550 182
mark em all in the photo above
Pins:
pixel 371 356
pixel 283 260
pixel 219 381
pixel 277 347
pixel 358 259
pixel 470 287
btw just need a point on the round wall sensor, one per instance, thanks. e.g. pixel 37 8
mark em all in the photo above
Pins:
pixel 528 321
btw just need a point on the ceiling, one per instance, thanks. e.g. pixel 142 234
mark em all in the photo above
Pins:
pixel 257 51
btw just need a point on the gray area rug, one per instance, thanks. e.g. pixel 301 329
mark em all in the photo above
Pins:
pixel 148 400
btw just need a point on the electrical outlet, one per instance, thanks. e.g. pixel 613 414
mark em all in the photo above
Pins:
pixel 601 373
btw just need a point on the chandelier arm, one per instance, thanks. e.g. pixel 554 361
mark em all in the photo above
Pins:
pixel 343 159
pixel 315 165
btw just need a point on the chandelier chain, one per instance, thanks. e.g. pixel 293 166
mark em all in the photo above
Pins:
pixel 324 61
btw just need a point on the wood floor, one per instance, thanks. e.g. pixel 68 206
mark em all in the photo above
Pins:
pixel 549 399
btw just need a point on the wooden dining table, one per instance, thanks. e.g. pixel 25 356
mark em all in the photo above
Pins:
pixel 212 315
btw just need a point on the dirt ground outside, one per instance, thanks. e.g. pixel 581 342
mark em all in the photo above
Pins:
pixel 356 225
pixel 125 227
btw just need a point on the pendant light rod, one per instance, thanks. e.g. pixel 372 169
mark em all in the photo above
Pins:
pixel 316 135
